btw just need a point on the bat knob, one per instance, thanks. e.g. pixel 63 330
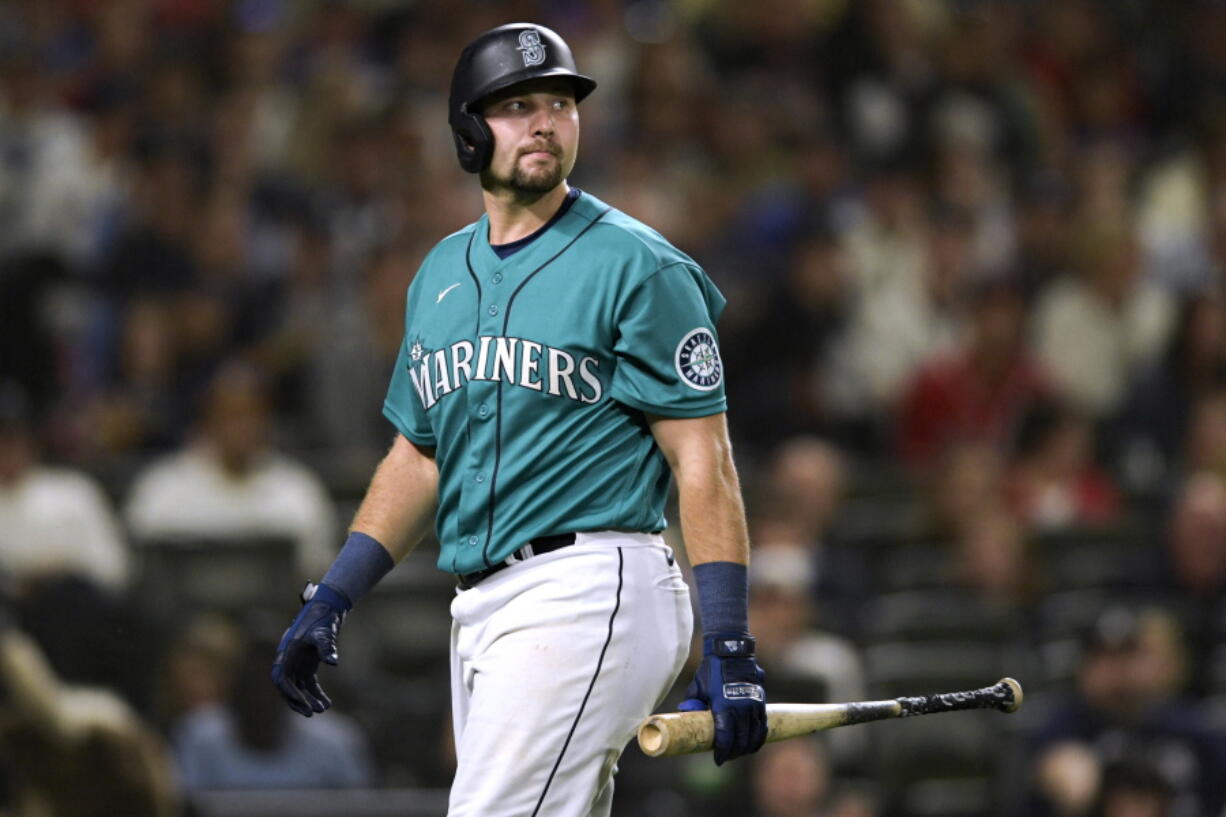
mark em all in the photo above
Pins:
pixel 652 739
pixel 1013 699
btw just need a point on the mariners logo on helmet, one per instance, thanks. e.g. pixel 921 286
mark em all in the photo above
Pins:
pixel 531 47
pixel 698 360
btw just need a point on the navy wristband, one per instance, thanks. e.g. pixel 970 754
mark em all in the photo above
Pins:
pixel 723 597
pixel 328 595
pixel 359 566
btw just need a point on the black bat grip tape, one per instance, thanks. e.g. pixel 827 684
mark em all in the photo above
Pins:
pixel 999 696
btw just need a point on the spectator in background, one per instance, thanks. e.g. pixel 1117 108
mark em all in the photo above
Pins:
pixel 967 477
pixel 807 663
pixel 902 317
pixel 1054 481
pixel 330 355
pixel 781 352
pixel 1159 410
pixel 1127 704
pixel 144 408
pixel 357 350
pixel 30 343
pixel 70 566
pixel 793 779
pixel 74 751
pixel 799 503
pixel 976 104
pixel 1195 559
pixel 152 253
pixel 231 483
pixel 968 180
pixel 991 558
pixel 1204 446
pixel 247 741
pixel 198 666
pixel 1196 541
pixel 804 487
pixel 1181 214
pixel 980 391
pixel 54 522
pixel 1095 330
pixel 1042 232
pixel 1136 788
pixel 45 176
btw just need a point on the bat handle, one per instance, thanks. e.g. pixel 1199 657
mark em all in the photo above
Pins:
pixel 1005 695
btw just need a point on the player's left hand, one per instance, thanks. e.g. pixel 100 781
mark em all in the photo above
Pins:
pixel 729 683
pixel 311 638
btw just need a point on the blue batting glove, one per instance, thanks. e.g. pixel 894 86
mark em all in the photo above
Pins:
pixel 311 638
pixel 729 683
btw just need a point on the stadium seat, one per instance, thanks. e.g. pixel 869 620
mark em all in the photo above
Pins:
pixel 969 797
pixel 911 668
pixel 911 566
pixel 939 765
pixel 1110 556
pixel 225 575
pixel 404 624
pixel 938 614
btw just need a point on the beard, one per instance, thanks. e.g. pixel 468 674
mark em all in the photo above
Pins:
pixel 526 185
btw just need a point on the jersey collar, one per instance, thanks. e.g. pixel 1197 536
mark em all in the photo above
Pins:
pixel 549 242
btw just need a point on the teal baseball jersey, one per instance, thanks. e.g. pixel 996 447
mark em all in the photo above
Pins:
pixel 530 377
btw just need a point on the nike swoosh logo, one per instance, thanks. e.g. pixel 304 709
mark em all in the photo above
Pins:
pixel 443 294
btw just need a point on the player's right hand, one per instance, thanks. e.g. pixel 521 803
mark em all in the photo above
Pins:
pixel 729 683
pixel 311 638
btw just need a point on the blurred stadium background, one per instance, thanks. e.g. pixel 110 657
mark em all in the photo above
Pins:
pixel 976 345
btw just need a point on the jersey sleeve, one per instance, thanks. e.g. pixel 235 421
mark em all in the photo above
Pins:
pixel 667 349
pixel 402 405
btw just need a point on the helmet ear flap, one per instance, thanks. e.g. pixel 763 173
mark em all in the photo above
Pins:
pixel 474 142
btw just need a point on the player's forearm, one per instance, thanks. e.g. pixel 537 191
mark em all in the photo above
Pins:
pixel 712 512
pixel 399 505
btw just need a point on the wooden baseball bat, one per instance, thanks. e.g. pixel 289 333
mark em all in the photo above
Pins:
pixel 683 733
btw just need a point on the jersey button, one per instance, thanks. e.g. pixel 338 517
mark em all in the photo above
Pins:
pixel 480 477
pixel 483 410
pixel 497 279
pixel 472 540
pixel 493 309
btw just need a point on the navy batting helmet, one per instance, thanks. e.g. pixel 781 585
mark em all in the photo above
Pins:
pixel 498 59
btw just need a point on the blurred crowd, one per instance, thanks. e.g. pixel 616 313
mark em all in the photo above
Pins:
pixel 975 257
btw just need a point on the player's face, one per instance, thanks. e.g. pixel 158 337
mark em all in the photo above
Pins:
pixel 536 138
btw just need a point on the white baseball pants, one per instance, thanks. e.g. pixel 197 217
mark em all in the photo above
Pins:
pixel 554 663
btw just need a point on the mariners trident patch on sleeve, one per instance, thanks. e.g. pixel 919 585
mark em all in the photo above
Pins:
pixel 697 360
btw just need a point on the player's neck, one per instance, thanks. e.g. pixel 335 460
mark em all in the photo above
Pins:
pixel 512 219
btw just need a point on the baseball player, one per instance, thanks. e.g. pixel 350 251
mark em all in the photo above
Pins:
pixel 560 362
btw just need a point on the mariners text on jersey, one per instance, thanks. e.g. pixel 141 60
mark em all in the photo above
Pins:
pixel 516 361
